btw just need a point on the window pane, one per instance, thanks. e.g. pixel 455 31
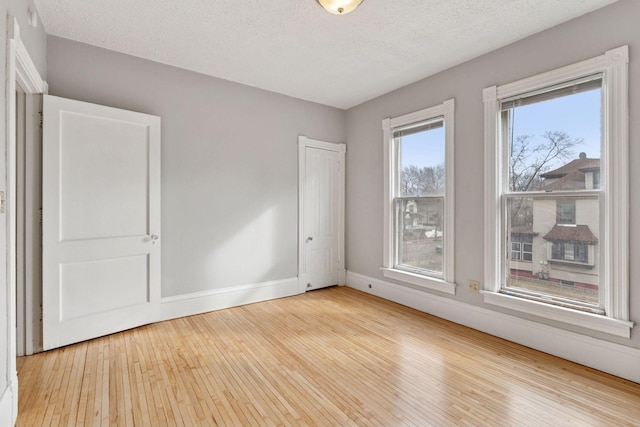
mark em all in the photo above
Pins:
pixel 566 211
pixel 555 141
pixel 421 161
pixel 568 251
pixel 527 251
pixel 420 231
pixel 555 259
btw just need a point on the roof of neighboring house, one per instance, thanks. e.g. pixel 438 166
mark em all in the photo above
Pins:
pixel 523 229
pixel 571 233
pixel 572 175
pixel 413 215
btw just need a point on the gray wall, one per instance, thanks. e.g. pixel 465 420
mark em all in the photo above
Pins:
pixel 34 40
pixel 582 38
pixel 229 162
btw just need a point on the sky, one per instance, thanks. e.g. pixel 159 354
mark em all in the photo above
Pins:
pixel 578 115
pixel 424 148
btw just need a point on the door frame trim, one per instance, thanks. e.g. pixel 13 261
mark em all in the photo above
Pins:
pixel 21 71
pixel 340 148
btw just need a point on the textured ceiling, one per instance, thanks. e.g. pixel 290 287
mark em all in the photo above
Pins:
pixel 295 48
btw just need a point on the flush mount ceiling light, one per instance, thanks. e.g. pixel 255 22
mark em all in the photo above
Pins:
pixel 339 7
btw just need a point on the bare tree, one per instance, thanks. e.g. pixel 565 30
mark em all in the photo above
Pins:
pixel 528 160
pixel 428 180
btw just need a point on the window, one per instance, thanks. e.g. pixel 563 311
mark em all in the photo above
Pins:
pixel 419 198
pixel 565 211
pixel 521 247
pixel 595 179
pixel 569 251
pixel 543 161
pixel 542 149
pixel 556 177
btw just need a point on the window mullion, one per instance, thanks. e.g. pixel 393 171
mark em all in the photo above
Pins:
pixel 553 194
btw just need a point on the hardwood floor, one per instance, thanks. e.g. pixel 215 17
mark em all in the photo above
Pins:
pixel 329 357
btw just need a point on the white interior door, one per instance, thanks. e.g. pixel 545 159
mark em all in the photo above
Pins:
pixel 101 220
pixel 322 231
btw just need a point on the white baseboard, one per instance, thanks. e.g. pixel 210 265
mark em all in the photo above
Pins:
pixel 202 302
pixel 612 358
pixel 9 404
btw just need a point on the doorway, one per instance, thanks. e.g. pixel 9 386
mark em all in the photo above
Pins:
pixel 321 184
pixel 24 84
pixel 28 231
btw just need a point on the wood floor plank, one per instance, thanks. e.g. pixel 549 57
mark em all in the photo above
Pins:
pixel 329 357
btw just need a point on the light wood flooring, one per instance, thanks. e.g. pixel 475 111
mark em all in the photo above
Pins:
pixel 333 357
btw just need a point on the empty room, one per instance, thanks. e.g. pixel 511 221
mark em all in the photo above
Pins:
pixel 320 212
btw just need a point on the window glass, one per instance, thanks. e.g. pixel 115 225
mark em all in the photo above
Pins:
pixel 565 211
pixel 420 205
pixel 420 234
pixel 554 141
pixel 546 138
pixel 421 158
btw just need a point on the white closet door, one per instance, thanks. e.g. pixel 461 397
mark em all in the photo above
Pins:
pixel 321 218
pixel 321 214
pixel 101 220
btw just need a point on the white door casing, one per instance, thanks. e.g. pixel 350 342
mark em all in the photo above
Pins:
pixel 22 72
pixel 101 220
pixel 321 214
pixel 28 201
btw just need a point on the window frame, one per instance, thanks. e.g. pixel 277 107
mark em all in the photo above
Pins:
pixel 445 283
pixel 613 65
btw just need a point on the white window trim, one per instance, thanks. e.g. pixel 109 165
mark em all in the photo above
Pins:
pixel 447 284
pixel 614 65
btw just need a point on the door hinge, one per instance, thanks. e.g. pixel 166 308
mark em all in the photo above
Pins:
pixel 41 118
pixel 2 202
pixel 40 215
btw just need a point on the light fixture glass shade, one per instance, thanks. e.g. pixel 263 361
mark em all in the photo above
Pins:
pixel 339 7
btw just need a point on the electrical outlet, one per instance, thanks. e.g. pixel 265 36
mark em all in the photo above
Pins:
pixel 474 286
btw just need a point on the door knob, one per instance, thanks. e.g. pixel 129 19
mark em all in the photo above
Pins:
pixel 309 239
pixel 153 238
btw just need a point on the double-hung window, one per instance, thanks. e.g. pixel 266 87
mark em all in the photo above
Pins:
pixel 556 194
pixel 419 198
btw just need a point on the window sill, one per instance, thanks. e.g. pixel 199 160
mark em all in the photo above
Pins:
pixel 572 263
pixel 595 322
pixel 420 280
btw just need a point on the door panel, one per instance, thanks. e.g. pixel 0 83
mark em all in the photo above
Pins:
pixel 89 148
pixel 100 286
pixel 101 220
pixel 321 198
